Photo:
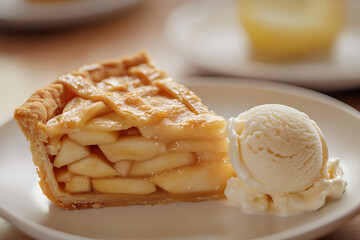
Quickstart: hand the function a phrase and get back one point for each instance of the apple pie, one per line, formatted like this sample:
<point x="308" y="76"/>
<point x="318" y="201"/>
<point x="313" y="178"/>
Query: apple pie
<point x="122" y="132"/>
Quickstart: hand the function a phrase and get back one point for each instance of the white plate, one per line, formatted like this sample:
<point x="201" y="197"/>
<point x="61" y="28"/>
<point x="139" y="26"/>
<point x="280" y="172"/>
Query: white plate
<point x="45" y="15"/>
<point x="23" y="204"/>
<point x="207" y="34"/>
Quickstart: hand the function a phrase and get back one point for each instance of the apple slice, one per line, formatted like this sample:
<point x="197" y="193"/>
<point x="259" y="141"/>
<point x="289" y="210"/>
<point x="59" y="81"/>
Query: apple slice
<point x="123" y="167"/>
<point x="132" y="148"/>
<point x="63" y="175"/>
<point x="161" y="163"/>
<point x="70" y="152"/>
<point x="85" y="137"/>
<point x="123" y="185"/>
<point x="93" y="166"/>
<point x="212" y="156"/>
<point x="211" y="176"/>
<point x="198" y="146"/>
<point x="78" y="184"/>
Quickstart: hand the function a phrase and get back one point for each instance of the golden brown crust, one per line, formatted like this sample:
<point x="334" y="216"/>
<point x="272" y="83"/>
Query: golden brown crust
<point x="40" y="107"/>
<point x="48" y="102"/>
<point x="156" y="198"/>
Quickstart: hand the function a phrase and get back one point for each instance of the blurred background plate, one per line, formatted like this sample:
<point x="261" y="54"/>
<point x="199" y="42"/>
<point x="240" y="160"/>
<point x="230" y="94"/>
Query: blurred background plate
<point x="207" y="34"/>
<point x="27" y="15"/>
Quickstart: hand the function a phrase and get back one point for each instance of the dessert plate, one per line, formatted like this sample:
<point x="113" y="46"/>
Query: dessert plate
<point x="23" y="204"/>
<point x="23" y="14"/>
<point x="214" y="40"/>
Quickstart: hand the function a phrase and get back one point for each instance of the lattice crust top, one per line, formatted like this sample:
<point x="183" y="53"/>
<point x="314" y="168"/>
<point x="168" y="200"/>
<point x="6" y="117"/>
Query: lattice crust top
<point x="140" y="94"/>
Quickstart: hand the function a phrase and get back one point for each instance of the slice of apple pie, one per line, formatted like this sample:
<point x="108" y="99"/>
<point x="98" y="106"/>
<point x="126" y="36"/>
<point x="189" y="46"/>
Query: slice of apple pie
<point x="121" y="132"/>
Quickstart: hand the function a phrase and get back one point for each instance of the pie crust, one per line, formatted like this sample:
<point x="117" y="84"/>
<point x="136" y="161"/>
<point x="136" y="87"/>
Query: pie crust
<point x="148" y="106"/>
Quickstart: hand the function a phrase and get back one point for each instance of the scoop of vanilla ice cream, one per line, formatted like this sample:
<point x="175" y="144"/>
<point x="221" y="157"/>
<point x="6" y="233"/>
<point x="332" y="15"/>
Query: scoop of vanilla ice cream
<point x="280" y="148"/>
<point x="279" y="155"/>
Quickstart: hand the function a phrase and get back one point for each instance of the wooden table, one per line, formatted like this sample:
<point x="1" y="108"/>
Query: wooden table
<point x="31" y="60"/>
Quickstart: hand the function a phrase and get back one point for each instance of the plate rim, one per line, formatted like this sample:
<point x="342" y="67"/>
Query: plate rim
<point x="23" y="224"/>
<point x="280" y="87"/>
<point x="294" y="233"/>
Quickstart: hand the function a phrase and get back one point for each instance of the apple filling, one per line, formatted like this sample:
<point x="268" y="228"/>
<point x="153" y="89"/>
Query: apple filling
<point x="122" y="162"/>
<point x="97" y="152"/>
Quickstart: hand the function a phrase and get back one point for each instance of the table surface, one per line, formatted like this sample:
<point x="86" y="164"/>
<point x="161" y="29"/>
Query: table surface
<point x="31" y="60"/>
